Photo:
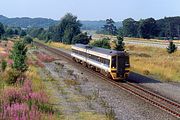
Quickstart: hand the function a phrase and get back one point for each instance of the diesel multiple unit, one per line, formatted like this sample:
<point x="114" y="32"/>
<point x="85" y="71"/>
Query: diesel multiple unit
<point x="111" y="63"/>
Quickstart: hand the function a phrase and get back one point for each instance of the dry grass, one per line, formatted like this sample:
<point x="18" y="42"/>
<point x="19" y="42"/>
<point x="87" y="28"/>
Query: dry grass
<point x="33" y="74"/>
<point x="155" y="62"/>
<point x="148" y="40"/>
<point x="59" y="45"/>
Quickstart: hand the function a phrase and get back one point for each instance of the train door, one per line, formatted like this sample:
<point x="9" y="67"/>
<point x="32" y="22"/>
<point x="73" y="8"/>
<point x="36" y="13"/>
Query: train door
<point x="113" y="63"/>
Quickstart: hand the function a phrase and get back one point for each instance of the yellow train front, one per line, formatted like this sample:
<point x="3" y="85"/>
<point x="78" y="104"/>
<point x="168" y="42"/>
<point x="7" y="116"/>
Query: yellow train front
<point x="111" y="63"/>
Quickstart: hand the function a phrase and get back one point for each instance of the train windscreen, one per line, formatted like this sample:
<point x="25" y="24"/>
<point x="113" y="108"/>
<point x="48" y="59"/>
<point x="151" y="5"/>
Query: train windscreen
<point x="121" y="65"/>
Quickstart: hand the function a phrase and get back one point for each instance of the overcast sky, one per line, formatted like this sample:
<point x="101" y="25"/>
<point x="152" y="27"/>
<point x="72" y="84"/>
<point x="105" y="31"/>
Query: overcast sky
<point x="91" y="9"/>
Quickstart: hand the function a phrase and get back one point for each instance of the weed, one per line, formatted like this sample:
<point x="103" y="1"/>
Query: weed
<point x="110" y="114"/>
<point x="71" y="82"/>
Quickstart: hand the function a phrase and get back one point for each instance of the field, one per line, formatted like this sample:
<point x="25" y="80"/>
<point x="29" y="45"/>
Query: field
<point x="152" y="61"/>
<point x="155" y="62"/>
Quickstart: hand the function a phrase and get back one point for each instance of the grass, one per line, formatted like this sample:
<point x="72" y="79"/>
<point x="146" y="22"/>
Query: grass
<point x="86" y="116"/>
<point x="59" y="45"/>
<point x="55" y="44"/>
<point x="148" y="40"/>
<point x="155" y="62"/>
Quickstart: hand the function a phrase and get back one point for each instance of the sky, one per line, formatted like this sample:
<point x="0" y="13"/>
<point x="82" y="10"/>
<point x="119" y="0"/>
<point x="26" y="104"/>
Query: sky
<point x="91" y="9"/>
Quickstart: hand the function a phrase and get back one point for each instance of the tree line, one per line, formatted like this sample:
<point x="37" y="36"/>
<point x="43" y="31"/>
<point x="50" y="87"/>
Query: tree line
<point x="166" y="28"/>
<point x="9" y="32"/>
<point x="68" y="31"/>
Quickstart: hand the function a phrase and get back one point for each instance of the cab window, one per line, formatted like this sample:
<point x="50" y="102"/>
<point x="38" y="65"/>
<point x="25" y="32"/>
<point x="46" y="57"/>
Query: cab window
<point x="113" y="65"/>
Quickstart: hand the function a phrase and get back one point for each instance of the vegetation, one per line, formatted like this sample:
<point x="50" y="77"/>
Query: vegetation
<point x="67" y="31"/>
<point x="26" y="22"/>
<point x="168" y="28"/>
<point x="154" y="62"/>
<point x="9" y="32"/>
<point x="2" y="31"/>
<point x="22" y="94"/>
<point x="104" y="43"/>
<point x="18" y="55"/>
<point x="27" y="40"/>
<point x="3" y="65"/>
<point x="109" y="28"/>
<point x="120" y="44"/>
<point x="81" y="38"/>
<point x="171" y="48"/>
<point x="96" y="25"/>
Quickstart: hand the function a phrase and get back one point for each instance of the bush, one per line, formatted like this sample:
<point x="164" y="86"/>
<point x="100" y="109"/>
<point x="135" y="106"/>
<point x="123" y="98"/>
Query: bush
<point x="18" y="55"/>
<point x="3" y="65"/>
<point x="171" y="48"/>
<point x="27" y="40"/>
<point x="11" y="76"/>
<point x="104" y="43"/>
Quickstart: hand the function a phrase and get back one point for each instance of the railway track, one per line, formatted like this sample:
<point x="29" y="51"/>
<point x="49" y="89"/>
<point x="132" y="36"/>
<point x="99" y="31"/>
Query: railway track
<point x="154" y="99"/>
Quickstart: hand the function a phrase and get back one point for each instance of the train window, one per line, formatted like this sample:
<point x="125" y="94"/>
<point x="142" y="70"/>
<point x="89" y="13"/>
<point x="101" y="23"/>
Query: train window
<point x="113" y="65"/>
<point x="106" y="61"/>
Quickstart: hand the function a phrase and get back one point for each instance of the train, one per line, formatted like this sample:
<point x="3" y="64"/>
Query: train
<point x="111" y="63"/>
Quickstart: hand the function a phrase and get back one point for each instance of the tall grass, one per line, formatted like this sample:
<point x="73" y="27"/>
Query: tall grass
<point x="155" y="62"/>
<point x="59" y="45"/>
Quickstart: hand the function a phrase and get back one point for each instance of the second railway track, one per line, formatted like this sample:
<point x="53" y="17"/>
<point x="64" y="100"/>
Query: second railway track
<point x="154" y="99"/>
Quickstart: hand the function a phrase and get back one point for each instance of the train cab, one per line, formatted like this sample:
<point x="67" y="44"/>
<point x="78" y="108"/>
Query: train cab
<point x="120" y="66"/>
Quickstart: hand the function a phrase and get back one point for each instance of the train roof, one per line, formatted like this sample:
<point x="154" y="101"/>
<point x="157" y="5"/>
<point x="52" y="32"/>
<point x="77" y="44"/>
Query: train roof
<point x="100" y="50"/>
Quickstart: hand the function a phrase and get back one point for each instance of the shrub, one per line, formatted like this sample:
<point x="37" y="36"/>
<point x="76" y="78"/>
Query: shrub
<point x="3" y="65"/>
<point x="11" y="76"/>
<point x="12" y="95"/>
<point x="28" y="40"/>
<point x="104" y="43"/>
<point x="171" y="48"/>
<point x="146" y="72"/>
<point x="18" y="55"/>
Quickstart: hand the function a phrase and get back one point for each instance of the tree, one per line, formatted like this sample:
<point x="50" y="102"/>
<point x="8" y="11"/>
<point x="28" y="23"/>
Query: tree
<point x="130" y="27"/>
<point x="171" y="48"/>
<point x="9" y="32"/>
<point x="66" y="30"/>
<point x="18" y="55"/>
<point x="23" y="33"/>
<point x="109" y="27"/>
<point x="27" y="40"/>
<point x="148" y="28"/>
<point x="81" y="38"/>
<point x="70" y="27"/>
<point x="2" y="31"/>
<point x="120" y="44"/>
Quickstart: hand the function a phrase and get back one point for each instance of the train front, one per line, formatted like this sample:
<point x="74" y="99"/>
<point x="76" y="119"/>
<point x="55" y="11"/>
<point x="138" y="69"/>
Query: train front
<point x="120" y="66"/>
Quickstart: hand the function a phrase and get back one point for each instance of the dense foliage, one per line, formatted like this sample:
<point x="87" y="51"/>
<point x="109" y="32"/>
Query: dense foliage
<point x="2" y="31"/>
<point x="120" y="44"/>
<point x="6" y="31"/>
<point x="3" y="65"/>
<point x="67" y="31"/>
<point x="109" y="28"/>
<point x="18" y="55"/>
<point x="27" y="40"/>
<point x="104" y="43"/>
<point x="169" y="27"/>
<point x="81" y="38"/>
